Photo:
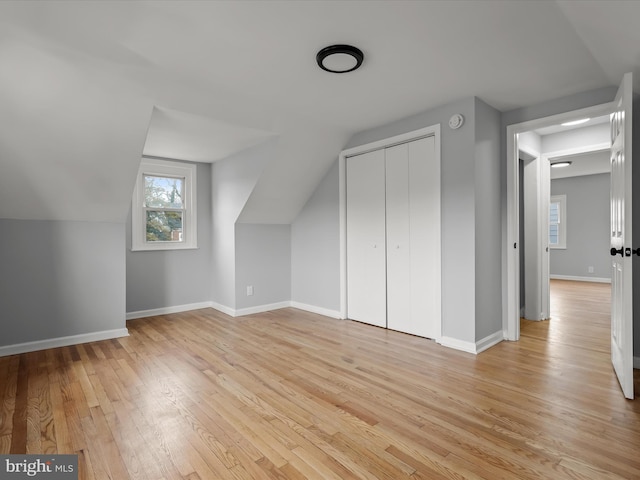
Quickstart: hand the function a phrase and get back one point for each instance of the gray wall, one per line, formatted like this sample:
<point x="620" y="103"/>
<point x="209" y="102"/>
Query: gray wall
<point x="60" y="278"/>
<point x="229" y="256"/>
<point x="168" y="278"/>
<point x="587" y="227"/>
<point x="488" y="248"/>
<point x="232" y="181"/>
<point x="263" y="260"/>
<point x="315" y="247"/>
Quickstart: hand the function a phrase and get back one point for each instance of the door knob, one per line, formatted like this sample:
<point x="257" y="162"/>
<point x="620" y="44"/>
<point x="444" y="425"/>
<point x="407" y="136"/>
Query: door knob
<point x="615" y="251"/>
<point x="636" y="251"/>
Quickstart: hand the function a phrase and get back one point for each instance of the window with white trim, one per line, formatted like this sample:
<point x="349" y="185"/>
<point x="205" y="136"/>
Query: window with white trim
<point x="558" y="221"/>
<point x="163" y="214"/>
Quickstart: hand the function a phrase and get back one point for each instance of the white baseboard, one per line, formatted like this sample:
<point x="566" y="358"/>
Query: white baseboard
<point x="580" y="279"/>
<point x="224" y="309"/>
<point x="319" y="310"/>
<point x="262" y="308"/>
<point x="636" y="363"/>
<point x="470" y="347"/>
<point x="275" y="306"/>
<point x="489" y="341"/>
<point x="456" y="344"/>
<point x="166" y="310"/>
<point x="62" y="341"/>
<point x="232" y="312"/>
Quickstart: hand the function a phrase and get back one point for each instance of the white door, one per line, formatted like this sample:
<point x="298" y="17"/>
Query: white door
<point x="621" y="260"/>
<point x="366" y="263"/>
<point x="399" y="249"/>
<point x="413" y="238"/>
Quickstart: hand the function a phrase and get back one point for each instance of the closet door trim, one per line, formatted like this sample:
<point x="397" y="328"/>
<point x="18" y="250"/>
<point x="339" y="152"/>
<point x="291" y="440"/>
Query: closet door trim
<point x="433" y="130"/>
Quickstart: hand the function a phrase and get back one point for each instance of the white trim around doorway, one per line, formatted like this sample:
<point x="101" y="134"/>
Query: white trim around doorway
<point x="511" y="247"/>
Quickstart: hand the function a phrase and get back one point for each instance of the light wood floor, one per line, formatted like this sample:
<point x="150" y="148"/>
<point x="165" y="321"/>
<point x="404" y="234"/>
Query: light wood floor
<point x="291" y="395"/>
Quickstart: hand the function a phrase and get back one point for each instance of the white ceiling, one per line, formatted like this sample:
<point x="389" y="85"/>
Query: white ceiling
<point x="82" y="82"/>
<point x="560" y="128"/>
<point x="582" y="164"/>
<point x="594" y="131"/>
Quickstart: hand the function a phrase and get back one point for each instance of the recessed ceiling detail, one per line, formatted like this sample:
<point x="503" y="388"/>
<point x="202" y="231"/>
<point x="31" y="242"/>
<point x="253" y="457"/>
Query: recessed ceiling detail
<point x="340" y="58"/>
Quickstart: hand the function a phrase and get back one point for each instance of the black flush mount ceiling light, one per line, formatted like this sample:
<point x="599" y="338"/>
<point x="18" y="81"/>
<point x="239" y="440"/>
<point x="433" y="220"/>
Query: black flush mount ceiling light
<point x="339" y="58"/>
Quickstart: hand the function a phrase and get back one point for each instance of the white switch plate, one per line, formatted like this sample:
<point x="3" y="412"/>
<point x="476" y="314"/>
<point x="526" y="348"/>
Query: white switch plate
<point x="590" y="269"/>
<point x="249" y="290"/>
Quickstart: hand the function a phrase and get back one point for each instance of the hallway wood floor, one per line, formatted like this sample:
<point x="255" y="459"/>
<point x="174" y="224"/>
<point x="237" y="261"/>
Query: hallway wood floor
<point x="293" y="395"/>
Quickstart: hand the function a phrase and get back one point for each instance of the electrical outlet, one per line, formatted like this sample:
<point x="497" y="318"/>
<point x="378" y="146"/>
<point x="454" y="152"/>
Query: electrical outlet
<point x="590" y="269"/>
<point x="249" y="290"/>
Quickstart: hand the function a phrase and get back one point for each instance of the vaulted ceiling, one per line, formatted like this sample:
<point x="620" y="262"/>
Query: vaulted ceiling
<point x="87" y="87"/>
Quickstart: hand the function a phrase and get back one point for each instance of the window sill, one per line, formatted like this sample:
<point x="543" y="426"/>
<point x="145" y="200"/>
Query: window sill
<point x="163" y="248"/>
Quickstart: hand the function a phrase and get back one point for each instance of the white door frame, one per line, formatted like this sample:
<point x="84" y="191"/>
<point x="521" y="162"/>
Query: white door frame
<point x="536" y="254"/>
<point x="433" y="130"/>
<point x="511" y="310"/>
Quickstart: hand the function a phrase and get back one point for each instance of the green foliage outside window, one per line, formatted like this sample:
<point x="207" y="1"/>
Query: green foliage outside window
<point x="164" y="226"/>
<point x="165" y="194"/>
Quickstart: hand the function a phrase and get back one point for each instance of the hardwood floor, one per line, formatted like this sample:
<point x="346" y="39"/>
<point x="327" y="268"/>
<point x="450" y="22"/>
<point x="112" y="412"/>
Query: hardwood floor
<point x="292" y="395"/>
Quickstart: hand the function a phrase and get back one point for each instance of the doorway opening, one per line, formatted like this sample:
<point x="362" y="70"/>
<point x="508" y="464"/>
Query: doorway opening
<point x="620" y="231"/>
<point x="520" y="140"/>
<point x="564" y="209"/>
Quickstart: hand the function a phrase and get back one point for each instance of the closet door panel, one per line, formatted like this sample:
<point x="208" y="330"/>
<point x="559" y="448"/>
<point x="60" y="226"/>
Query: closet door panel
<point x="424" y="213"/>
<point x="366" y="262"/>
<point x="398" y="238"/>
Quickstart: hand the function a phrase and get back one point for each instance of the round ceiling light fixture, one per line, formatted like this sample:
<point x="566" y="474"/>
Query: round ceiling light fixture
<point x="561" y="164"/>
<point x="339" y="58"/>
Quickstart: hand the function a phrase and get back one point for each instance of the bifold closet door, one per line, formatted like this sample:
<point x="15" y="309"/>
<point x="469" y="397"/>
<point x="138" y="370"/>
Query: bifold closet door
<point x="398" y="237"/>
<point x="413" y="238"/>
<point x="366" y="231"/>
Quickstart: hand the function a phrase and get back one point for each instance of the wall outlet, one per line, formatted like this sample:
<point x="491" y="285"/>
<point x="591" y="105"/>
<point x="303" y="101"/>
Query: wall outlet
<point x="249" y="290"/>
<point x="590" y="269"/>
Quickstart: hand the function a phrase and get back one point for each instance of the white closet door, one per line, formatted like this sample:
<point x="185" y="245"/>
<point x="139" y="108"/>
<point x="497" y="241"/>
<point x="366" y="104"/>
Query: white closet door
<point x="366" y="263"/>
<point x="398" y="238"/>
<point x="413" y="238"/>
<point x="424" y="217"/>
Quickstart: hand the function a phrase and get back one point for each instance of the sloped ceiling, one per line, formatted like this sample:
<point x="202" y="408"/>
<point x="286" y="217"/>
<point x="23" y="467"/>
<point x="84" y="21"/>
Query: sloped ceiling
<point x="81" y="84"/>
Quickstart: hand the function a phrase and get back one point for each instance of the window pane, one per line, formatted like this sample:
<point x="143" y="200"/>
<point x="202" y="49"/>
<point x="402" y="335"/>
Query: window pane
<point x="554" y="213"/>
<point x="553" y="234"/>
<point x="164" y="226"/>
<point x="163" y="192"/>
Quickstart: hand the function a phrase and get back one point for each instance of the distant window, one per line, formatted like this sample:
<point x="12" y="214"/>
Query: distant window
<point x="558" y="221"/>
<point x="164" y="206"/>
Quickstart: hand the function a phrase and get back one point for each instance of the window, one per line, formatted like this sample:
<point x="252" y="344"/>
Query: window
<point x="558" y="221"/>
<point x="163" y="215"/>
